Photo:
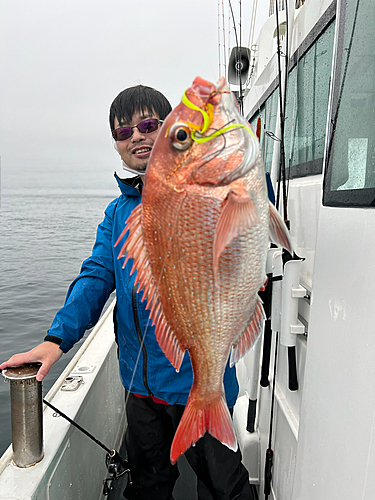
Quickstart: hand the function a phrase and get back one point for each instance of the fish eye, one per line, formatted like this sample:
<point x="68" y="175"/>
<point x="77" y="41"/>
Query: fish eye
<point x="180" y="137"/>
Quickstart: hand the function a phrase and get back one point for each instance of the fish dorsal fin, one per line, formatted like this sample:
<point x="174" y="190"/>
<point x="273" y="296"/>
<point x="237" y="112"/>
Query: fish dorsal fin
<point x="279" y="233"/>
<point x="250" y="336"/>
<point x="134" y="248"/>
<point x="237" y="216"/>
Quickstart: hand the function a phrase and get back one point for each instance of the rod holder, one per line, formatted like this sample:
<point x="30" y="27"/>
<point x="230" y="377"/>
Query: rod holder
<point x="275" y="266"/>
<point x="291" y="326"/>
<point x="292" y="291"/>
<point x="26" y="414"/>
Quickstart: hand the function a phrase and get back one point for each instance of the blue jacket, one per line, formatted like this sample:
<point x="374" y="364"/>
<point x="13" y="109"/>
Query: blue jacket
<point x="146" y="370"/>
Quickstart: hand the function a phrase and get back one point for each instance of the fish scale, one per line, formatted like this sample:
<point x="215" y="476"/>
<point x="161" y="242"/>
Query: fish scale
<point x="199" y="243"/>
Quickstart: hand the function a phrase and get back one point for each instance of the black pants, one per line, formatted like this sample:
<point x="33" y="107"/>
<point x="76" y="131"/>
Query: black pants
<point x="151" y="428"/>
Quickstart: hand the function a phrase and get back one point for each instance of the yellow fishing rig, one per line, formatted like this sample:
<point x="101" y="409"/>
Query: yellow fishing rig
<point x="207" y="120"/>
<point x="208" y="117"/>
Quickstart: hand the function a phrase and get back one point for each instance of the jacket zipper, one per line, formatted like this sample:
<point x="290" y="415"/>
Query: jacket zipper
<point x="140" y="337"/>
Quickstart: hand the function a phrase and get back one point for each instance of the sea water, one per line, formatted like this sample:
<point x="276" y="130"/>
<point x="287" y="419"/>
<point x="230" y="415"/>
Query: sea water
<point x="48" y="218"/>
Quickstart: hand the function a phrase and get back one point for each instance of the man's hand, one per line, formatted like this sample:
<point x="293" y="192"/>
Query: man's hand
<point x="46" y="353"/>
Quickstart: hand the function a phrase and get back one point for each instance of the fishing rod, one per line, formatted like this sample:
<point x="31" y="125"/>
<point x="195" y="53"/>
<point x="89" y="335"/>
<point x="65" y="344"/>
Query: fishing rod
<point x="282" y="101"/>
<point x="268" y="330"/>
<point x="266" y="297"/>
<point x="269" y="451"/>
<point x="116" y="465"/>
<point x="239" y="58"/>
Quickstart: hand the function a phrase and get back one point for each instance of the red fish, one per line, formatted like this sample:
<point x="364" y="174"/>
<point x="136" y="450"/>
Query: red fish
<point x="199" y="241"/>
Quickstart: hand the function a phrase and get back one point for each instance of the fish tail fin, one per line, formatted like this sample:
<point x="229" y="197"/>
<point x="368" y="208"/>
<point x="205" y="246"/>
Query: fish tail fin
<point x="196" y="420"/>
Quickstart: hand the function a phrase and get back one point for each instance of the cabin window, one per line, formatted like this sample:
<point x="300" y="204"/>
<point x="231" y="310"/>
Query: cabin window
<point x="306" y="110"/>
<point x="307" y="102"/>
<point x="350" y="159"/>
<point x="268" y="114"/>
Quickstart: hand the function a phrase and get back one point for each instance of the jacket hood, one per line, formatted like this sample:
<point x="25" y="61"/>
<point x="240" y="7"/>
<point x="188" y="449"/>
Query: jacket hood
<point x="130" y="186"/>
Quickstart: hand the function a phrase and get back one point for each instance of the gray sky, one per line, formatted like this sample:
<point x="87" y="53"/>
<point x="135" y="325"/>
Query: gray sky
<point x="62" y="62"/>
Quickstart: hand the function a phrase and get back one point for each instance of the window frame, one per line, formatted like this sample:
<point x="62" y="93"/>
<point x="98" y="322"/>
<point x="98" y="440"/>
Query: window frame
<point x="361" y="198"/>
<point x="312" y="167"/>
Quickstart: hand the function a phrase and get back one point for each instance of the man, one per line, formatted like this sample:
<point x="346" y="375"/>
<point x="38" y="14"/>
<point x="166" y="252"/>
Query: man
<point x="155" y="392"/>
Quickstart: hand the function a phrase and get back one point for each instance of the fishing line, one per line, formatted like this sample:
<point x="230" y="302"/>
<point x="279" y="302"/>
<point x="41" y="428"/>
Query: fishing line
<point x="280" y="103"/>
<point x="239" y="69"/>
<point x="222" y="131"/>
<point x="214" y="155"/>
<point x="218" y="34"/>
<point x="238" y="56"/>
<point x="158" y="281"/>
<point x="264" y="127"/>
<point x="224" y="46"/>
<point x="88" y="434"/>
<point x="206" y="122"/>
<point x="294" y="120"/>
<point x="251" y="40"/>
<point x="240" y="22"/>
<point x="252" y="23"/>
<point x="285" y="180"/>
<point x="292" y="141"/>
<point x="116" y="465"/>
<point x="142" y="343"/>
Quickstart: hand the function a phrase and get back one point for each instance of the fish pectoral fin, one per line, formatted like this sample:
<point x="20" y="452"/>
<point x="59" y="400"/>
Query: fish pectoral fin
<point x="238" y="215"/>
<point x="250" y="336"/>
<point x="279" y="233"/>
<point x="196" y="420"/>
<point x="134" y="248"/>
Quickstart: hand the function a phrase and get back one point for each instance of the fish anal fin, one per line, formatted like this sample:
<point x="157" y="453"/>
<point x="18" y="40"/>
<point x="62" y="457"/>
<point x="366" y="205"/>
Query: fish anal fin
<point x="196" y="421"/>
<point x="279" y="233"/>
<point x="237" y="216"/>
<point x="250" y="335"/>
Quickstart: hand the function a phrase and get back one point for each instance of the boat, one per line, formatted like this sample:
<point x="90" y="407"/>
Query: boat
<point x="305" y="415"/>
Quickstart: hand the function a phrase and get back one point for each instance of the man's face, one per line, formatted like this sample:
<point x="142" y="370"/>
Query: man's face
<point x="136" y="150"/>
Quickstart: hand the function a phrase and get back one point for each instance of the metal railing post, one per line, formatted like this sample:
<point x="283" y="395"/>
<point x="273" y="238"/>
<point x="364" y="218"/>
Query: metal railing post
<point x="26" y="414"/>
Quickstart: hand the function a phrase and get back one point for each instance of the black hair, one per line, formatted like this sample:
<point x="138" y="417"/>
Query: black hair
<point x="139" y="99"/>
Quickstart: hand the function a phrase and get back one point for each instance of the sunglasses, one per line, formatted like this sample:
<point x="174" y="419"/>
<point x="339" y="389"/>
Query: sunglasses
<point x="145" y="127"/>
